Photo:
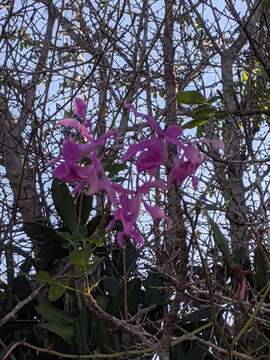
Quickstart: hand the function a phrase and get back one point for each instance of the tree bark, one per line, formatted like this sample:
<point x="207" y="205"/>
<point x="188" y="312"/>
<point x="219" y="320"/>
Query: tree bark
<point x="176" y="251"/>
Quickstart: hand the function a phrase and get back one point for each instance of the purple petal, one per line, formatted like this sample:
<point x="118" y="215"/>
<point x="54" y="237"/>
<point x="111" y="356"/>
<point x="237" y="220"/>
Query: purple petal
<point x="71" y="152"/>
<point x="134" y="234"/>
<point x="116" y="216"/>
<point x="130" y="209"/>
<point x="155" y="155"/>
<point x="148" y="161"/>
<point x="217" y="144"/>
<point x="85" y="150"/>
<point x="60" y="172"/>
<point x="69" y="123"/>
<point x="135" y="205"/>
<point x="119" y="188"/>
<point x="73" y="123"/>
<point x="84" y="132"/>
<point x="180" y="172"/>
<point x="155" y="211"/>
<point x="137" y="237"/>
<point x="79" y="107"/>
<point x="193" y="154"/>
<point x="149" y="119"/>
<point x="133" y="149"/>
<point x="66" y="172"/>
<point x="172" y="133"/>
<point x="153" y="124"/>
<point x="144" y="189"/>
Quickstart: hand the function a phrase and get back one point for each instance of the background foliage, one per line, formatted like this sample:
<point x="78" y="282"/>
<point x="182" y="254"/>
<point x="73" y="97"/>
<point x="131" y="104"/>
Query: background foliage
<point x="200" y="290"/>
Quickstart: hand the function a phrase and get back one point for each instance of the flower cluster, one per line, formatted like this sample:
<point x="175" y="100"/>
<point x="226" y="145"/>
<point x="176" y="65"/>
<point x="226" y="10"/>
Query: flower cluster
<point x="79" y="164"/>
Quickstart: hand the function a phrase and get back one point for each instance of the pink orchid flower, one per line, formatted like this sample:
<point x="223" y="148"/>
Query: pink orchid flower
<point x="79" y="106"/>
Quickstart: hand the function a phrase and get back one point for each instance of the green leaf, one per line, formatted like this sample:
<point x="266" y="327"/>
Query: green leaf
<point x="20" y="287"/>
<point x="44" y="276"/>
<point x="48" y="242"/>
<point x="266" y="3"/>
<point x="177" y="352"/>
<point x="194" y="123"/>
<point x="52" y="314"/>
<point x="112" y="285"/>
<point x="41" y="233"/>
<point x="80" y="259"/>
<point x="67" y="236"/>
<point x="79" y="233"/>
<point x="162" y="93"/>
<point x="93" y="224"/>
<point x="203" y="113"/>
<point x="97" y="242"/>
<point x="84" y="207"/>
<point x="213" y="99"/>
<point x="201" y="116"/>
<point x="221" y="114"/>
<point x="56" y="290"/>
<point x="48" y="253"/>
<point x="64" y="331"/>
<point x="260" y="268"/>
<point x="81" y="331"/>
<point x="190" y="98"/>
<point x="64" y="204"/>
<point x="134" y="294"/>
<point x="221" y="242"/>
<point x="153" y="295"/>
<point x="104" y="336"/>
<point x="103" y="301"/>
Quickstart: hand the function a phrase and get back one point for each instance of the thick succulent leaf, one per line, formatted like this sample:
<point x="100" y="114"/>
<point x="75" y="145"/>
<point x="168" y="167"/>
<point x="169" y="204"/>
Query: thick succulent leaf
<point x="64" y="331"/>
<point x="64" y="204"/>
<point x="80" y="258"/>
<point x="53" y="314"/>
<point x="93" y="224"/>
<point x="112" y="285"/>
<point x="260" y="268"/>
<point x="190" y="98"/>
<point x="84" y="207"/>
<point x="56" y="290"/>
<point x="134" y="295"/>
<point x="153" y="294"/>
<point x="81" y="331"/>
<point x="221" y="242"/>
<point x="41" y="233"/>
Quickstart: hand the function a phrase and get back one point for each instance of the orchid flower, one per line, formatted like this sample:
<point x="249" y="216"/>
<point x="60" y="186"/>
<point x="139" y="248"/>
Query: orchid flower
<point x="79" y="106"/>
<point x="80" y="165"/>
<point x="128" y="213"/>
<point x="129" y="208"/>
<point x="153" y="153"/>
